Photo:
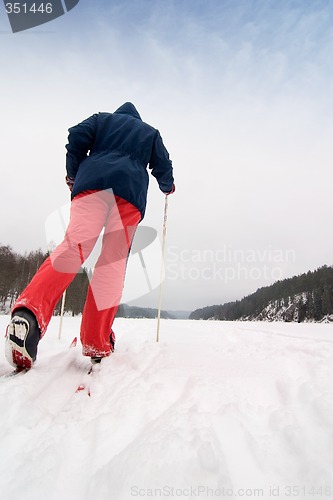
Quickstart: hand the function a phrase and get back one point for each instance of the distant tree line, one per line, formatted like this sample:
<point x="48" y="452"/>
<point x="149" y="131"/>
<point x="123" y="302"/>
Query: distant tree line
<point x="17" y="270"/>
<point x="311" y="293"/>
<point x="126" y="311"/>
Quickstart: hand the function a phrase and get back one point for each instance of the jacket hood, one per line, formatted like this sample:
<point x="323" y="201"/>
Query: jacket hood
<point x="128" y="109"/>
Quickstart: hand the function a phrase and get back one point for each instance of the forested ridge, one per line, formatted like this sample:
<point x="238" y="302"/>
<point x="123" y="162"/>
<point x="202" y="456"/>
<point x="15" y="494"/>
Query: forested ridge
<point x="308" y="296"/>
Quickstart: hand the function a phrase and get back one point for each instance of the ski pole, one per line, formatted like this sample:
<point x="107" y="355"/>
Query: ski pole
<point x="62" y="313"/>
<point x="162" y="266"/>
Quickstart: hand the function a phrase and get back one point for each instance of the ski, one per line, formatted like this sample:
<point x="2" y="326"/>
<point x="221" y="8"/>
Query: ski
<point x="73" y="343"/>
<point x="14" y="373"/>
<point x="84" y="386"/>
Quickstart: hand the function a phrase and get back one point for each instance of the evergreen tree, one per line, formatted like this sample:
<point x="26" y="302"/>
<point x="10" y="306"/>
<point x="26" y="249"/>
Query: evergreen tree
<point x="7" y="270"/>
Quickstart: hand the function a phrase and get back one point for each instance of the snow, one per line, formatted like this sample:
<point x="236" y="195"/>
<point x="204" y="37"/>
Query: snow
<point x="214" y="410"/>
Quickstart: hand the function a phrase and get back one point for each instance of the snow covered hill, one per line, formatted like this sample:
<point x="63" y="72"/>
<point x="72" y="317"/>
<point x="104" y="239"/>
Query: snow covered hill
<point x="215" y="409"/>
<point x="290" y="309"/>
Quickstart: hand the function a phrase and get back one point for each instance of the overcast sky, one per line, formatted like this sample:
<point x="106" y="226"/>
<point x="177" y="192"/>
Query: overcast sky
<point x="241" y="91"/>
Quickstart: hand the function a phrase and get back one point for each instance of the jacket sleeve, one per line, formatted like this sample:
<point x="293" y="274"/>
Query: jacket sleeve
<point x="80" y="141"/>
<point x="161" y="165"/>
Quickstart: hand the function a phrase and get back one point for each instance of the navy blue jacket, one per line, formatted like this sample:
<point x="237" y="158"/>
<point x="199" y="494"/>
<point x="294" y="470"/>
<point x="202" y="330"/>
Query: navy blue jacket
<point x="113" y="150"/>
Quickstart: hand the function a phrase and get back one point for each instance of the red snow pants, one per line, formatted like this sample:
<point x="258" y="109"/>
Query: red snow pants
<point x="91" y="211"/>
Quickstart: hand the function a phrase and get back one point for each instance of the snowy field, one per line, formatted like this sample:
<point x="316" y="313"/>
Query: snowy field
<point x="214" y="410"/>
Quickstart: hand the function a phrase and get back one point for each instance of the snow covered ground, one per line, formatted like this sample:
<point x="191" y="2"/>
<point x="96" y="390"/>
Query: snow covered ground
<point x="214" y="410"/>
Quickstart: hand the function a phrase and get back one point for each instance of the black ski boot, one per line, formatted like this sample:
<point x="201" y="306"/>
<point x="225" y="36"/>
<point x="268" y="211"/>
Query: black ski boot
<point x="97" y="359"/>
<point x="22" y="338"/>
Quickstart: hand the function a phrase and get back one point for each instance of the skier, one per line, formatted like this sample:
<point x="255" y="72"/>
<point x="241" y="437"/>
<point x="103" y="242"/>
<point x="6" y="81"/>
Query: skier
<point x="106" y="162"/>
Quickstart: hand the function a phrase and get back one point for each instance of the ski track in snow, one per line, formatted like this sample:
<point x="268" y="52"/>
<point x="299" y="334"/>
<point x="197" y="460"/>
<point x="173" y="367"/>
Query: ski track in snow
<point x="225" y="406"/>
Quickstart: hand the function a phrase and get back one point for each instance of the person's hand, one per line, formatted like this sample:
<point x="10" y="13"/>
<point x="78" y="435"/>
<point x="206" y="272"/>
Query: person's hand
<point x="69" y="182"/>
<point x="173" y="189"/>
